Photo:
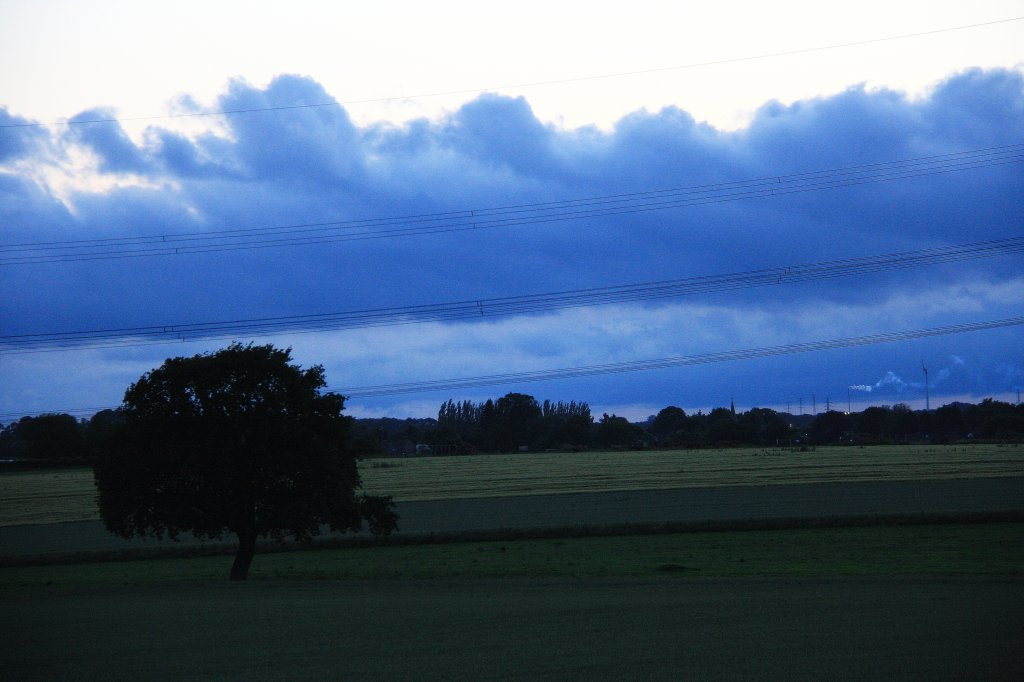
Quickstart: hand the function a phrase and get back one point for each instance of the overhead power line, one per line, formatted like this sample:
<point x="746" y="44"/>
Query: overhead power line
<point x="530" y="84"/>
<point x="75" y="411"/>
<point x="511" y="305"/>
<point x="664" y="363"/>
<point x="504" y="216"/>
<point x="624" y="367"/>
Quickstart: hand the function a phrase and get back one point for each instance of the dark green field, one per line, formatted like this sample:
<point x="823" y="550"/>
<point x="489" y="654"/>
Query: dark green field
<point x="592" y="629"/>
<point x="906" y="602"/>
<point x="912" y="550"/>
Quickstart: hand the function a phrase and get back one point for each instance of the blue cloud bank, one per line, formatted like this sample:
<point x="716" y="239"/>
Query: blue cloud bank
<point x="302" y="166"/>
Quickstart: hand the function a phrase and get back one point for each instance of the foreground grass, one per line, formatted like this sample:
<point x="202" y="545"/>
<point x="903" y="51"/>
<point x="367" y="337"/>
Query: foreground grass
<point x="963" y="628"/>
<point x="69" y="495"/>
<point x="920" y="550"/>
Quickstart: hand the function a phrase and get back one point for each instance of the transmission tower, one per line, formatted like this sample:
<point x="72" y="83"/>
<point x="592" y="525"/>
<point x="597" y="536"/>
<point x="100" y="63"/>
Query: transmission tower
<point x="927" y="398"/>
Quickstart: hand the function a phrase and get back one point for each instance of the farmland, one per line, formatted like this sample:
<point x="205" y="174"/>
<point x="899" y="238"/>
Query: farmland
<point x="930" y="602"/>
<point x="544" y="474"/>
<point x="994" y="549"/>
<point x="68" y="495"/>
<point x="926" y="601"/>
<point x="597" y="629"/>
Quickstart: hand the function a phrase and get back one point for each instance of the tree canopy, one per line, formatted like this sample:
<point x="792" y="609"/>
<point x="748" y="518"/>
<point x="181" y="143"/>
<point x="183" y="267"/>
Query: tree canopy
<point x="240" y="442"/>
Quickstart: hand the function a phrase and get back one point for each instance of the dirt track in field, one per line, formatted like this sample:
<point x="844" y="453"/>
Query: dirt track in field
<point x="718" y="505"/>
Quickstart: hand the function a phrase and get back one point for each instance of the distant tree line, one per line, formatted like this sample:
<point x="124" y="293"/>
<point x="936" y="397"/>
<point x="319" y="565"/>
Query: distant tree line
<point x="517" y="422"/>
<point x="989" y="420"/>
<point x="511" y="423"/>
<point x="58" y="438"/>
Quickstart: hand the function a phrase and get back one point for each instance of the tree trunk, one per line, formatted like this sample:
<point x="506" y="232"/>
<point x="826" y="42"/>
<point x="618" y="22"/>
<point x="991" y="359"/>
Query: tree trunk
<point x="243" y="557"/>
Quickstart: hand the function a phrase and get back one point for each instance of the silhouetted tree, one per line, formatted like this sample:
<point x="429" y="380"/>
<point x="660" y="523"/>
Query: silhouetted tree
<point x="240" y="441"/>
<point x="517" y="421"/>
<point x="872" y="423"/>
<point x="669" y="426"/>
<point x="46" y="437"/>
<point x="567" y="423"/>
<point x="618" y="432"/>
<point x="762" y="426"/>
<point x="947" y="422"/>
<point x="903" y="422"/>
<point x="488" y="426"/>
<point x="103" y="428"/>
<point x="458" y="423"/>
<point x="829" y="427"/>
<point x="722" y="427"/>
<point x="995" y="419"/>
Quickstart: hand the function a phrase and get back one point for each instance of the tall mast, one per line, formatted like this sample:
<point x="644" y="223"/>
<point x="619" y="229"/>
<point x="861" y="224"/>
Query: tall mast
<point x="927" y="400"/>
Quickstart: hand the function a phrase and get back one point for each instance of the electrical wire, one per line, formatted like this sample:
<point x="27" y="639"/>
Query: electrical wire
<point x="532" y="84"/>
<point x="78" y="411"/>
<point x="664" y="363"/>
<point x="507" y="306"/>
<point x="504" y="216"/>
<point x="429" y="386"/>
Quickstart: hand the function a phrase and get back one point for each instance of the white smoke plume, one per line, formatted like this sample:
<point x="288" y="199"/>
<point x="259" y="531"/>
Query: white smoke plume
<point x="890" y="380"/>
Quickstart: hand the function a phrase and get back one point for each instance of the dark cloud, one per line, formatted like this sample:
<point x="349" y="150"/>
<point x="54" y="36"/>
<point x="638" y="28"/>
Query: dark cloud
<point x="115" y="150"/>
<point x="30" y="214"/>
<point x="315" y="147"/>
<point x="181" y="157"/>
<point x="314" y="165"/>
<point x="17" y="136"/>
<point x="977" y="108"/>
<point x="499" y="132"/>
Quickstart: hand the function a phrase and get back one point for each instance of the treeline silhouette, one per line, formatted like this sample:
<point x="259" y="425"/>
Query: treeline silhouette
<point x="58" y="438"/>
<point x="518" y="422"/>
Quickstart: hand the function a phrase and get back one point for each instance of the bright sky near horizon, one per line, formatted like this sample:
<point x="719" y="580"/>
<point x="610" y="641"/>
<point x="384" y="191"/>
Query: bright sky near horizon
<point x="138" y="58"/>
<point x="451" y="106"/>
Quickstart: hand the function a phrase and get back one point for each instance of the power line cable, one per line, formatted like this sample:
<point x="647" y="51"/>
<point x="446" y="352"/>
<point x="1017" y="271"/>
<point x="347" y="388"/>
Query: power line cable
<point x="505" y="216"/>
<point x="506" y="306"/>
<point x="75" y="411"/>
<point x="634" y="366"/>
<point x="664" y="363"/>
<point x="531" y="84"/>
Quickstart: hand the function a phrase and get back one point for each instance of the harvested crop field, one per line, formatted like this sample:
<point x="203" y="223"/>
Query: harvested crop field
<point x="726" y="506"/>
<point x="431" y="478"/>
<point x="69" y="495"/>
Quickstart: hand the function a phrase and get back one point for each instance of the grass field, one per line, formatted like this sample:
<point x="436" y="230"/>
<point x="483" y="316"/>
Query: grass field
<point x="69" y="495"/>
<point x="924" y="602"/>
<point x="570" y="629"/>
<point x="920" y="550"/>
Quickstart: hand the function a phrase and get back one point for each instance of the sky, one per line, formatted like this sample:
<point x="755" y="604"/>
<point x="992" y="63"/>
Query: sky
<point x="401" y="155"/>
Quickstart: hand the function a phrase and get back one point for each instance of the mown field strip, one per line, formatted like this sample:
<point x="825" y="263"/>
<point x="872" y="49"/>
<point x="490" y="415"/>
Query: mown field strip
<point x="502" y="475"/>
<point x="69" y="495"/>
<point x="49" y="496"/>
